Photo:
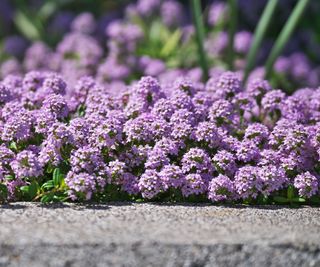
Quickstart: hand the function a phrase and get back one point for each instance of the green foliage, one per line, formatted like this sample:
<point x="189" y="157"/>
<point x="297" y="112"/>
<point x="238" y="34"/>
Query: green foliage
<point x="26" y="26"/>
<point x="285" y="35"/>
<point x="259" y="34"/>
<point x="291" y="197"/>
<point x="30" y="191"/>
<point x="3" y="193"/>
<point x="200" y="35"/>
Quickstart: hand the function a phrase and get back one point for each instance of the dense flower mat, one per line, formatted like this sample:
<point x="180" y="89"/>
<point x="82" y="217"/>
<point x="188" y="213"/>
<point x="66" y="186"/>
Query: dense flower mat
<point x="177" y="141"/>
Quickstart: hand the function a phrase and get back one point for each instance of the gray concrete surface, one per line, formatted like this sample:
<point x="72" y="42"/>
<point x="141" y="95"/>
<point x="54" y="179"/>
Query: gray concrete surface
<point x="126" y="234"/>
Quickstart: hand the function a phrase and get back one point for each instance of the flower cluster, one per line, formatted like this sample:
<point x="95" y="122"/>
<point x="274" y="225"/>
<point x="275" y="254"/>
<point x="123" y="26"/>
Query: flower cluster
<point x="154" y="139"/>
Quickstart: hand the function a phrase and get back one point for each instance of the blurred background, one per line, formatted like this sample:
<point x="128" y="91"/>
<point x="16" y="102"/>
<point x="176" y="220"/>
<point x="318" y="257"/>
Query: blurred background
<point x="119" y="41"/>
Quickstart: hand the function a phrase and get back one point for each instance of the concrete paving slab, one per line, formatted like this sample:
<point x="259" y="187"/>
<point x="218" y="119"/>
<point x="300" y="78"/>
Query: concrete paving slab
<point x="131" y="234"/>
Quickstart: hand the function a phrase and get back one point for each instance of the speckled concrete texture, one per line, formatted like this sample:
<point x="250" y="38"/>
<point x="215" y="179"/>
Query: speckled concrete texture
<point x="128" y="234"/>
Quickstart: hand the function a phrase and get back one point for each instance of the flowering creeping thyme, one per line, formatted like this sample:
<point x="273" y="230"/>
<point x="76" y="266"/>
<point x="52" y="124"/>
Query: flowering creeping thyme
<point x="162" y="147"/>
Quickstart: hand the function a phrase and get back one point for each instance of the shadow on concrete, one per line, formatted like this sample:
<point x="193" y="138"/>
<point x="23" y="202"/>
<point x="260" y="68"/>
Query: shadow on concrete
<point x="13" y="206"/>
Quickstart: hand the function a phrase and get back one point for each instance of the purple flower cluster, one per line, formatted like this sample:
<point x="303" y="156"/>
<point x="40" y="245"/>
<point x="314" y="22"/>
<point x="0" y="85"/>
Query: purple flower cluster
<point x="152" y="139"/>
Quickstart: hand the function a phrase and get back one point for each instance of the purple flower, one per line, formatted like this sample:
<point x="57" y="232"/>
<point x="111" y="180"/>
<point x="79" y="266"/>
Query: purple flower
<point x="146" y="8"/>
<point x="18" y="127"/>
<point x="44" y="121"/>
<point x="218" y="13"/>
<point x="257" y="133"/>
<point x="172" y="176"/>
<point x="57" y="105"/>
<point x="130" y="183"/>
<point x="247" y="182"/>
<point x="185" y="85"/>
<point x="26" y="164"/>
<point x="294" y="109"/>
<point x="194" y="184"/>
<point x="15" y="45"/>
<point x="273" y="178"/>
<point x="225" y="162"/>
<point x="248" y="151"/>
<point x="54" y="84"/>
<point x="224" y="86"/>
<point x="307" y="184"/>
<point x="163" y="108"/>
<point x="221" y="188"/>
<point x="156" y="159"/>
<point x="272" y="100"/>
<point x="83" y="185"/>
<point x="221" y="112"/>
<point x="5" y="94"/>
<point x="84" y="23"/>
<point x="116" y="170"/>
<point x="167" y="145"/>
<point x="151" y="66"/>
<point x="196" y="160"/>
<point x="50" y="153"/>
<point x="257" y="88"/>
<point x="6" y="155"/>
<point x="150" y="184"/>
<point x="86" y="159"/>
<point x="181" y="131"/>
<point x="79" y="129"/>
<point x="242" y="42"/>
<point x="181" y="100"/>
<point x="207" y="133"/>
<point x="171" y="13"/>
<point x="182" y="116"/>
<point x="109" y="131"/>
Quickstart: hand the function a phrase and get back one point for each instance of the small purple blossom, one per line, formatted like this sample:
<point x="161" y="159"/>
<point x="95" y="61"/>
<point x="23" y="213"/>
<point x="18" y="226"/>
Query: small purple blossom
<point x="248" y="183"/>
<point x="307" y="184"/>
<point x="194" y="184"/>
<point x="26" y="164"/>
<point x="150" y="184"/>
<point x="221" y="188"/>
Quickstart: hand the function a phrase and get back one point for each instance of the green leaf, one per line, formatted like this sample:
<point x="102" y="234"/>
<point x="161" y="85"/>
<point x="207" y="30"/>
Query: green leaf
<point x="13" y="145"/>
<point x="26" y="26"/>
<point x="25" y="189"/>
<point x="200" y="35"/>
<point x="57" y="177"/>
<point x="155" y="32"/>
<point x="48" y="185"/>
<point x="315" y="199"/>
<point x="49" y="169"/>
<point x="33" y="189"/>
<point x="281" y="199"/>
<point x="290" y="192"/>
<point x="298" y="199"/>
<point x="259" y="34"/>
<point x="9" y="177"/>
<point x="47" y="10"/>
<point x="285" y="35"/>
<point x="171" y="44"/>
<point x="47" y="198"/>
<point x="3" y="192"/>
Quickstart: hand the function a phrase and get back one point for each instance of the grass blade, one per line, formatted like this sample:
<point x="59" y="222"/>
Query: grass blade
<point x="259" y="34"/>
<point x="285" y="34"/>
<point x="199" y="27"/>
<point x="26" y="26"/>
<point x="232" y="29"/>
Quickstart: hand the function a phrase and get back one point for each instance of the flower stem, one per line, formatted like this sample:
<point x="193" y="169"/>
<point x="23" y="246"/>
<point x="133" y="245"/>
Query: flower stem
<point x="199" y="27"/>
<point x="259" y="34"/>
